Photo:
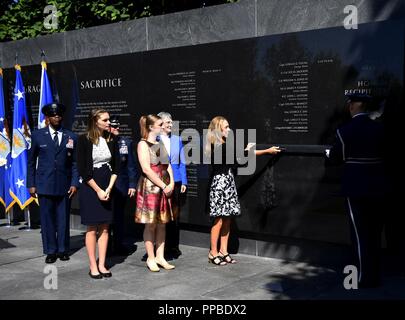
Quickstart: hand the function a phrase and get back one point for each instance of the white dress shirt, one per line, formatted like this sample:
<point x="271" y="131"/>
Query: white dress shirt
<point x="166" y="142"/>
<point x="52" y="131"/>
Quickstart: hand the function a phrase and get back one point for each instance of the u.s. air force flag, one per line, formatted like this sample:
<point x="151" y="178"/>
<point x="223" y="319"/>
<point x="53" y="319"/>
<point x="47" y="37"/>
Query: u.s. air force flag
<point x="5" y="158"/>
<point x="45" y="97"/>
<point x="21" y="140"/>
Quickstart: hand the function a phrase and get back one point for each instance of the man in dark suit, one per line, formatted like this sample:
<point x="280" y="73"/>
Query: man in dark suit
<point x="52" y="177"/>
<point x="124" y="186"/>
<point x="359" y="145"/>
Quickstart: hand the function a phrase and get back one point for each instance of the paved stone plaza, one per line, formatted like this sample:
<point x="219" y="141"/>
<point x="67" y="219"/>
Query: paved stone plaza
<point x="22" y="276"/>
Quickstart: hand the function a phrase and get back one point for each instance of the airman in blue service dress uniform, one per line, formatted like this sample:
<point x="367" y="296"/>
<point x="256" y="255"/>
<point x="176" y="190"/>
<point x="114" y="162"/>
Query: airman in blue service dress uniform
<point x="53" y="178"/>
<point x="359" y="145"/>
<point x="124" y="186"/>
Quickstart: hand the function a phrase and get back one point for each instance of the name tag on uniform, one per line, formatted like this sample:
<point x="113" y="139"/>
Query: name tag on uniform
<point x="123" y="149"/>
<point x="70" y="143"/>
<point x="42" y="145"/>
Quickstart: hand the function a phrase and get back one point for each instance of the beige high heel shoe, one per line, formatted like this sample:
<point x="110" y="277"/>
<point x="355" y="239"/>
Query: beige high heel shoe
<point x="164" y="264"/>
<point x="152" y="266"/>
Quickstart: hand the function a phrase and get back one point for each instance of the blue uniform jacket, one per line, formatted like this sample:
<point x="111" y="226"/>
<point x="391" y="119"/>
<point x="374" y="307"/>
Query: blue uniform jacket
<point x="359" y="145"/>
<point x="56" y="171"/>
<point x="177" y="159"/>
<point x="127" y="174"/>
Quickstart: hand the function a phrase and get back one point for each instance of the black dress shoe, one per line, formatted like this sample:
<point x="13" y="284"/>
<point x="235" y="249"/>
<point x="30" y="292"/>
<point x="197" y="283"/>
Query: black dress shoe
<point x="173" y="253"/>
<point x="95" y="276"/>
<point x="63" y="256"/>
<point x="176" y="252"/>
<point x="51" y="258"/>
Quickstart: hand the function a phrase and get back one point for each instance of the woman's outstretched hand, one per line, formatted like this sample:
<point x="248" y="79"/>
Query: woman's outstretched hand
<point x="273" y="150"/>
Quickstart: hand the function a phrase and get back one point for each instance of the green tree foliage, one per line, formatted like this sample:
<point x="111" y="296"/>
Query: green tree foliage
<point x="20" y="19"/>
<point x="5" y="5"/>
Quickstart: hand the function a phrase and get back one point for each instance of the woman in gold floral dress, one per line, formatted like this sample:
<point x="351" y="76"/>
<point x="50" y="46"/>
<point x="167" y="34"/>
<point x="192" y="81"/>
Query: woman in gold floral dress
<point x="153" y="204"/>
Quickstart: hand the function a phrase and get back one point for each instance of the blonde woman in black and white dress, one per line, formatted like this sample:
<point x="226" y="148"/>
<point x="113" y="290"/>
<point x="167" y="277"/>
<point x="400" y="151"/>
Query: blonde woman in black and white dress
<point x="223" y="196"/>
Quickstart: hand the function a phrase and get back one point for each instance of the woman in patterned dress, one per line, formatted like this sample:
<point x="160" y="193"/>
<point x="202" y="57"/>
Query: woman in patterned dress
<point x="154" y="207"/>
<point x="223" y="197"/>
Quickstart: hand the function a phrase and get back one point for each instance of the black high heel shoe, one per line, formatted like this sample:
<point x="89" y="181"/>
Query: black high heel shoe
<point x="227" y="258"/>
<point x="217" y="260"/>
<point x="95" y="276"/>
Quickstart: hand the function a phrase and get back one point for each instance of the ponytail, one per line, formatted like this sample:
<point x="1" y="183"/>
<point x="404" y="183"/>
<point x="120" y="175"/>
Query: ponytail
<point x="145" y="122"/>
<point x="142" y="126"/>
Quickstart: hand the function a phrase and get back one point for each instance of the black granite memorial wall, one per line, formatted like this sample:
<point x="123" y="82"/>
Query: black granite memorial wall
<point x="289" y="88"/>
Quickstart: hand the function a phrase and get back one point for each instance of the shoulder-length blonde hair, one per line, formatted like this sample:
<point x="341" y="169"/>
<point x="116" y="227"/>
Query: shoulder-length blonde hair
<point x="93" y="134"/>
<point x="214" y="134"/>
<point x="145" y="122"/>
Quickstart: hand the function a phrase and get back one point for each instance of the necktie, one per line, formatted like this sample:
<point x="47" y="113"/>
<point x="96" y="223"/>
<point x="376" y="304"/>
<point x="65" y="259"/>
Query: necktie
<point x="55" y="139"/>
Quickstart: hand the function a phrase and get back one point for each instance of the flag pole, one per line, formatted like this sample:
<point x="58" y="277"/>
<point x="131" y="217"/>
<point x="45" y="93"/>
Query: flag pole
<point x="28" y="219"/>
<point x="9" y="217"/>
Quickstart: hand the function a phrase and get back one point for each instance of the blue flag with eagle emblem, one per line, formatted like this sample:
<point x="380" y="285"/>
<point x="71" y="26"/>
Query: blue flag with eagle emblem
<point x="21" y="140"/>
<point x="5" y="156"/>
<point x="45" y="95"/>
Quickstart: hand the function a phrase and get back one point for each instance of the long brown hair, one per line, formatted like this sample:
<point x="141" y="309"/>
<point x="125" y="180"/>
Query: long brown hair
<point x="214" y="134"/>
<point x="145" y="122"/>
<point x="93" y="134"/>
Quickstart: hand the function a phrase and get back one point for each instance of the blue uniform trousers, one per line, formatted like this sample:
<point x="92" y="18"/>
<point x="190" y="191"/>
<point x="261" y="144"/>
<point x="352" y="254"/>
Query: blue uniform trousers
<point x="55" y="231"/>
<point x="365" y="215"/>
